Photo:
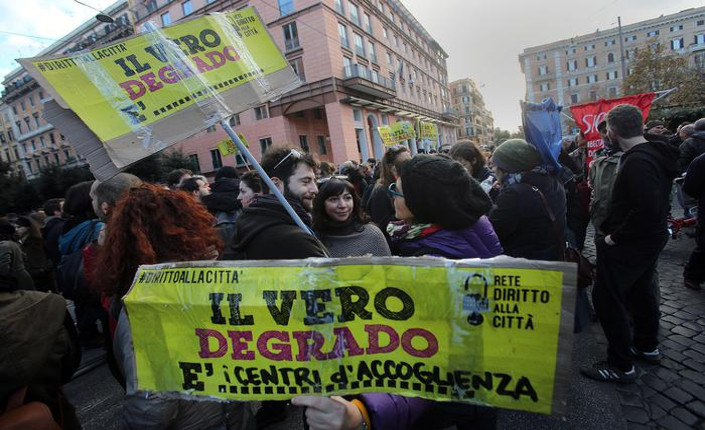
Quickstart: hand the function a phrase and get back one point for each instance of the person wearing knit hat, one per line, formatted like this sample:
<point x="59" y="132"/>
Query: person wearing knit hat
<point x="442" y="208"/>
<point x="515" y="155"/>
<point x="520" y="217"/>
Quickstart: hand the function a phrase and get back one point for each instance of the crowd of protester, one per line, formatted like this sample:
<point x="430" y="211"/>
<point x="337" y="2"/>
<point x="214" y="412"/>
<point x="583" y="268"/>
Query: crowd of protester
<point x="458" y="203"/>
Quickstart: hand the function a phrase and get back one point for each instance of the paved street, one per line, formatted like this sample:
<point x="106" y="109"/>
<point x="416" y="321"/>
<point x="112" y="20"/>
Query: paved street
<point x="670" y="395"/>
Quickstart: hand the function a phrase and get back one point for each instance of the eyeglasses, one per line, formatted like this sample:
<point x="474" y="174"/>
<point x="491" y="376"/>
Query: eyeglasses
<point x="296" y="154"/>
<point x="392" y="190"/>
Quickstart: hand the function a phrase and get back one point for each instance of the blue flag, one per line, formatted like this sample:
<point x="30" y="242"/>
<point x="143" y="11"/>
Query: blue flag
<point x="542" y="128"/>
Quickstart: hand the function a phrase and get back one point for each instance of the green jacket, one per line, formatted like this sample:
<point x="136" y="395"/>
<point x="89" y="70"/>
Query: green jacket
<point x="603" y="172"/>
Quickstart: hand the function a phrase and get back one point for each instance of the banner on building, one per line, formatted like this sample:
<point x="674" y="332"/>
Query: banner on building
<point x="396" y="132"/>
<point x="142" y="94"/>
<point x="587" y="116"/>
<point x="427" y="130"/>
<point x="228" y="147"/>
<point x="495" y="332"/>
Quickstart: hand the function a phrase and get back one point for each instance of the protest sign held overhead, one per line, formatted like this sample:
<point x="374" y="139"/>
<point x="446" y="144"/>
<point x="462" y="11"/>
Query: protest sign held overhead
<point x="228" y="147"/>
<point x="494" y="332"/>
<point x="396" y="132"/>
<point x="427" y="130"/>
<point x="145" y="93"/>
<point x="589" y="115"/>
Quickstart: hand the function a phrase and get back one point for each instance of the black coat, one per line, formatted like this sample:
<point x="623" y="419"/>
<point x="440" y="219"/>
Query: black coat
<point x="694" y="184"/>
<point x="690" y="149"/>
<point x="522" y="222"/>
<point x="380" y="208"/>
<point x="641" y="194"/>
<point x="265" y="231"/>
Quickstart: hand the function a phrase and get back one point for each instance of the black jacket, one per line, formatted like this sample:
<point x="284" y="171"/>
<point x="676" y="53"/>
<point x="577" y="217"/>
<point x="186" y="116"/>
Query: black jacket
<point x="265" y="231"/>
<point x="641" y="194"/>
<point x="691" y="149"/>
<point x="380" y="208"/>
<point x="223" y="197"/>
<point x="694" y="184"/>
<point x="522" y="222"/>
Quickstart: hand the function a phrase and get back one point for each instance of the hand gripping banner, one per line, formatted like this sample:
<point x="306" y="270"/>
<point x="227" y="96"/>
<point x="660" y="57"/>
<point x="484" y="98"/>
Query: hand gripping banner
<point x="495" y="332"/>
<point x="142" y="94"/>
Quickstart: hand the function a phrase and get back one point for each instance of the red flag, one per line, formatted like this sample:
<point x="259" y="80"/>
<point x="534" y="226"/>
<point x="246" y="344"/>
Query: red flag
<point x="589" y="115"/>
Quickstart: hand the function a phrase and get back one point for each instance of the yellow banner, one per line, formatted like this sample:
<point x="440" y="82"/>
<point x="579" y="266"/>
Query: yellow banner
<point x="183" y="77"/>
<point x="427" y="130"/>
<point x="396" y="132"/>
<point x="494" y="332"/>
<point x="228" y="147"/>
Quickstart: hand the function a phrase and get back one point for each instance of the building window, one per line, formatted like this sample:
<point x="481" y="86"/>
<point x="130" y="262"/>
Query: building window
<point x="367" y="23"/>
<point x="166" y="20"/>
<point x="592" y="79"/>
<point x="347" y="67"/>
<point x="193" y="158"/>
<point x="574" y="99"/>
<point x="31" y="101"/>
<point x="261" y="112"/>
<point x="56" y="158"/>
<point x="699" y="39"/>
<point x="291" y="36"/>
<point x="354" y="13"/>
<point x="384" y="33"/>
<point x="612" y="91"/>
<point x="318" y="113"/>
<point x="676" y="28"/>
<point x="572" y="65"/>
<point x="52" y="139"/>
<point x="298" y="65"/>
<point x="573" y="82"/>
<point x="677" y="44"/>
<point x="42" y="142"/>
<point x="610" y="58"/>
<point x="590" y="47"/>
<point x="303" y="142"/>
<point x="357" y="115"/>
<point x="187" y="7"/>
<point x="216" y="159"/>
<point x="612" y="75"/>
<point x="343" y="33"/>
<point x="265" y="143"/>
<point x="322" y="149"/>
<point x="24" y="106"/>
<point x="631" y="38"/>
<point x="373" y="53"/>
<point x="591" y="61"/>
<point x="543" y="70"/>
<point x="609" y="42"/>
<point x="652" y="33"/>
<point x="545" y="87"/>
<point x="14" y="109"/>
<point x="396" y="41"/>
<point x="35" y="115"/>
<point x="286" y="7"/>
<point x="701" y="22"/>
<point x="359" y="45"/>
<point x="234" y="120"/>
<point x="390" y="60"/>
<point x="339" y="7"/>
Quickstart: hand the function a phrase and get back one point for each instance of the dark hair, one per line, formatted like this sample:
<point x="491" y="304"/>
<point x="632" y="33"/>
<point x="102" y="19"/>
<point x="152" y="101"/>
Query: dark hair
<point x="227" y="172"/>
<point x="440" y="191"/>
<point x="111" y="190"/>
<point x="174" y="177"/>
<point x="335" y="187"/>
<point x="386" y="176"/>
<point x="699" y="124"/>
<point x="51" y="206"/>
<point x="152" y="225"/>
<point x="190" y="185"/>
<point x="254" y="182"/>
<point x="7" y="230"/>
<point x="468" y="151"/>
<point x="327" y="169"/>
<point x="78" y="203"/>
<point x="626" y="121"/>
<point x="275" y="168"/>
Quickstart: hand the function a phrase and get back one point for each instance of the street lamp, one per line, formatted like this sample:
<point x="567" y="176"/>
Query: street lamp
<point x="102" y="17"/>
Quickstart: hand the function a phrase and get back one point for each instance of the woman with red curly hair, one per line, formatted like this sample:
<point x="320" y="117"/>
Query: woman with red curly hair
<point x="153" y="225"/>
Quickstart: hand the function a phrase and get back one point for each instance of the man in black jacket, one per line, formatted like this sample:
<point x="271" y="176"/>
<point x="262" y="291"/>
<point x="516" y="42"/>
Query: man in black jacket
<point x="635" y="233"/>
<point x="694" y="185"/>
<point x="693" y="146"/>
<point x="265" y="231"/>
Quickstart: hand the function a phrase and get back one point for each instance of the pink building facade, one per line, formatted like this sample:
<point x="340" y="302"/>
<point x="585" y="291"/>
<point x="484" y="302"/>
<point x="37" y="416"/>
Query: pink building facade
<point x="363" y="63"/>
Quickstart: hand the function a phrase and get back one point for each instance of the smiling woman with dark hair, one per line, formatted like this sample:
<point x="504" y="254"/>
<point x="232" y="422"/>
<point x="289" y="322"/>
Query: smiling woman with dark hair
<point x="342" y="226"/>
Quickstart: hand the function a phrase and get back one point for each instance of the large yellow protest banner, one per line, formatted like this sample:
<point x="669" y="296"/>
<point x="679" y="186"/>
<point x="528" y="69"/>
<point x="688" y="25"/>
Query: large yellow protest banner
<point x="146" y="92"/>
<point x="396" y="132"/>
<point x="495" y="332"/>
<point x="427" y="130"/>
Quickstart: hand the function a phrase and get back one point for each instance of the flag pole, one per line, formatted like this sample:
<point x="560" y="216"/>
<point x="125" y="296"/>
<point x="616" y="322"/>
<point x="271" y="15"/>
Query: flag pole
<point x="267" y="180"/>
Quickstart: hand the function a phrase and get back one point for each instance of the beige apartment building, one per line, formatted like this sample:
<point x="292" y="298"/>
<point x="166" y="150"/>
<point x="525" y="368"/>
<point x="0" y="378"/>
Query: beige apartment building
<point x="27" y="141"/>
<point x="592" y="66"/>
<point x="475" y="120"/>
<point x="362" y="63"/>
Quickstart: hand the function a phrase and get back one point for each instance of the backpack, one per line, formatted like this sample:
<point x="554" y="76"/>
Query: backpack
<point x="70" y="276"/>
<point x="225" y="224"/>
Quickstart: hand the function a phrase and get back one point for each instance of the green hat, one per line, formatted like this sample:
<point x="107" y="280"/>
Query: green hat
<point x="515" y="155"/>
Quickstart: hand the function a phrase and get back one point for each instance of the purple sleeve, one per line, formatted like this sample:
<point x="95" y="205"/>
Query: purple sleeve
<point x="392" y="412"/>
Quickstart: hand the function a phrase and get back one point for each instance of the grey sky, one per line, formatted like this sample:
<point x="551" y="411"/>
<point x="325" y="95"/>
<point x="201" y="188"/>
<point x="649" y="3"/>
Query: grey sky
<point x="484" y="38"/>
